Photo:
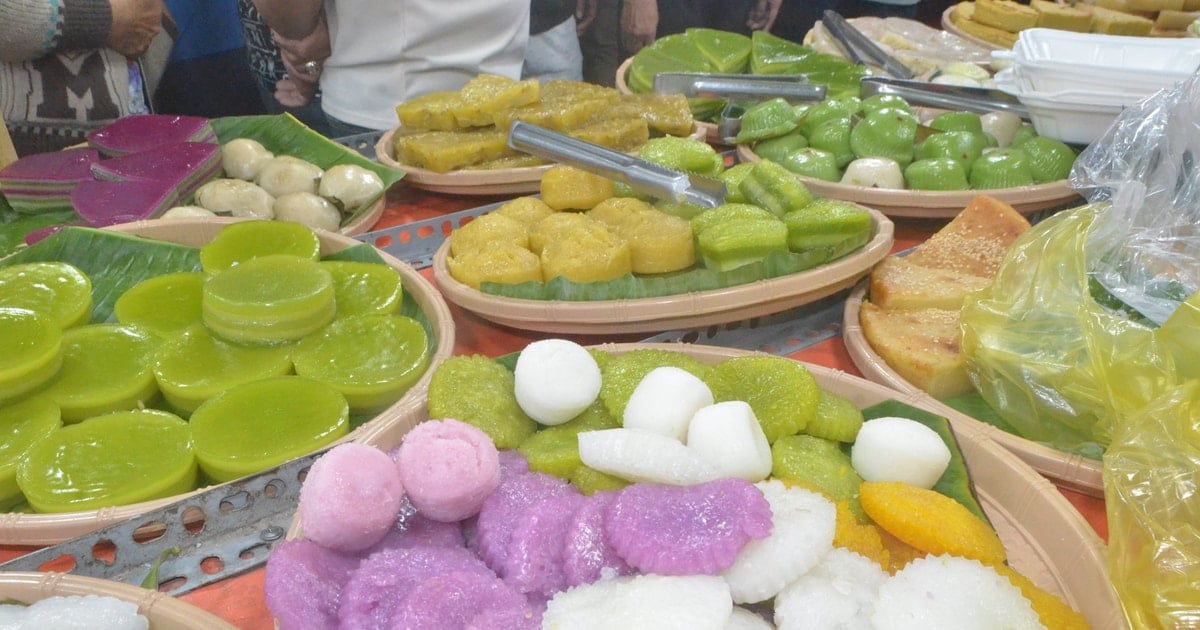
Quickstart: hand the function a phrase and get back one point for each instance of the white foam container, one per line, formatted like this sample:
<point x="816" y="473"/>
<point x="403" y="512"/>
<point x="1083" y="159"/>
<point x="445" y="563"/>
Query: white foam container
<point x="1072" y="116"/>
<point x="1048" y="60"/>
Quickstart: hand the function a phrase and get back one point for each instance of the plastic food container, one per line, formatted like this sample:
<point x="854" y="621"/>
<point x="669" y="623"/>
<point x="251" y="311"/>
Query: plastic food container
<point x="1074" y="116"/>
<point x="1047" y="60"/>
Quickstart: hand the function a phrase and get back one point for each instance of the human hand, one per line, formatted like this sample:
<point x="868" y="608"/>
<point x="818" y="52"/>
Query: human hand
<point x="134" y="25"/>
<point x="585" y="14"/>
<point x="639" y="23"/>
<point x="762" y="15"/>
<point x="303" y="59"/>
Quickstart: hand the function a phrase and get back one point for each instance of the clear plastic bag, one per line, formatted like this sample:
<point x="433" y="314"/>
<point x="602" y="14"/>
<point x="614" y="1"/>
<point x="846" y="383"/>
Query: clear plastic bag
<point x="1089" y="340"/>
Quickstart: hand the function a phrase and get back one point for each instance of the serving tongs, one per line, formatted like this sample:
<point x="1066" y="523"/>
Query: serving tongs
<point x="643" y="176"/>
<point x="952" y="97"/>
<point x="793" y="87"/>
<point x="860" y="49"/>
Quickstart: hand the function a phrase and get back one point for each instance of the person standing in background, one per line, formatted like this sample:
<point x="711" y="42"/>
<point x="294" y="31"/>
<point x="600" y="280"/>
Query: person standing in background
<point x="266" y="63"/>
<point x="208" y="74"/>
<point x="69" y="67"/>
<point x="384" y="53"/>
<point x="737" y="16"/>
<point x="554" y="51"/>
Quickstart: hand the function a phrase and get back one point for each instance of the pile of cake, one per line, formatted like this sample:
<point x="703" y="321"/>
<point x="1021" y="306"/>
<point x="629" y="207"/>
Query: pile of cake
<point x="911" y="319"/>
<point x="999" y="21"/>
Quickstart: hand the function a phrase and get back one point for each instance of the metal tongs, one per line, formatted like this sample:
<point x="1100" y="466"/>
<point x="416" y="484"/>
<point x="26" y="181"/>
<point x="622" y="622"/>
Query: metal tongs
<point x="860" y="48"/>
<point x="953" y="97"/>
<point x="643" y="176"/>
<point x="793" y="87"/>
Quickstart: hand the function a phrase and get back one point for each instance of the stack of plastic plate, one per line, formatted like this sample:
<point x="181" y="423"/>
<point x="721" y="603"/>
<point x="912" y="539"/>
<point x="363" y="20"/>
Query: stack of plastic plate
<point x="1075" y="84"/>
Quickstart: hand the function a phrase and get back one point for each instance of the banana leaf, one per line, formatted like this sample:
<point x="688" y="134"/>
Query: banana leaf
<point x="630" y="287"/>
<point x="283" y="134"/>
<point x="115" y="262"/>
<point x="14" y="226"/>
<point x="974" y="406"/>
<point x="956" y="481"/>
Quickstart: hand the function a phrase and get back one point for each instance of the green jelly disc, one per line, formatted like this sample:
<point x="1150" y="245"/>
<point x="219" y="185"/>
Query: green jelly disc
<point x="238" y="242"/>
<point x="269" y="299"/>
<point x="57" y="290"/>
<point x="105" y="367"/>
<point x="30" y="352"/>
<point x="164" y="305"/>
<point x="362" y="288"/>
<point x="259" y="425"/>
<point x="371" y="359"/>
<point x="197" y="366"/>
<point x="21" y="425"/>
<point x="114" y="459"/>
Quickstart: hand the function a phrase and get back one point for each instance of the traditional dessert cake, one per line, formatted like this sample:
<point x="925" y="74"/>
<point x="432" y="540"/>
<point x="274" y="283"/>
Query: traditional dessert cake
<point x="1077" y="18"/>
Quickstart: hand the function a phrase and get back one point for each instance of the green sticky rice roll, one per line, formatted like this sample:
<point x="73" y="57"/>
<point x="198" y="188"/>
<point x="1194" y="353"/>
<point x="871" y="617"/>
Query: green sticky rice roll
<point x="768" y="119"/>
<point x="1002" y="168"/>
<point x="885" y="134"/>
<point x="727" y="212"/>
<point x="732" y="178"/>
<point x="778" y="148"/>
<point x="817" y="462"/>
<point x="21" y="425"/>
<point x="1022" y="136"/>
<point x="1049" y="159"/>
<point x="828" y="109"/>
<point x="731" y="244"/>
<point x="683" y="154"/>
<point x="815" y="163"/>
<point x="771" y="186"/>
<point x="936" y="174"/>
<point x="834" y="136"/>
<point x="239" y="242"/>
<point x="839" y="226"/>
<point x="957" y="121"/>
<point x="58" y="291"/>
<point x="72" y="468"/>
<point x="877" y="102"/>
<point x="964" y="146"/>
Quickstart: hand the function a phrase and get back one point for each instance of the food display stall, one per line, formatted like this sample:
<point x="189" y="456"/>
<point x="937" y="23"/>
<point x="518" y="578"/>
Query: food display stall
<point x="1044" y="501"/>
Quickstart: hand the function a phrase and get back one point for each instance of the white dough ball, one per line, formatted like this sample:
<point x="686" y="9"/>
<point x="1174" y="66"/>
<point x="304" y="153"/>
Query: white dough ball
<point x="308" y="209"/>
<point x="285" y="174"/>
<point x="350" y="184"/>
<point x="729" y="436"/>
<point x="236" y="197"/>
<point x="665" y="400"/>
<point x="1002" y="126"/>
<point x="188" y="212"/>
<point x="556" y="380"/>
<point x="899" y="449"/>
<point x="243" y="158"/>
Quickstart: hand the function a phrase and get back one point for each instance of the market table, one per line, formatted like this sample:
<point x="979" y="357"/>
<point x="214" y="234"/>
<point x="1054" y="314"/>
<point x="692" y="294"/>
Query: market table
<point x="239" y="599"/>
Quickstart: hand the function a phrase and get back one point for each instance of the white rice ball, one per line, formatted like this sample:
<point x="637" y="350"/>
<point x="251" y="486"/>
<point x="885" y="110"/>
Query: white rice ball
<point x="728" y="435"/>
<point x="802" y="530"/>
<point x="81" y="612"/>
<point x="839" y="592"/>
<point x="950" y="593"/>
<point x="665" y="400"/>
<point x="555" y="380"/>
<point x="899" y="449"/>
<point x="658" y="602"/>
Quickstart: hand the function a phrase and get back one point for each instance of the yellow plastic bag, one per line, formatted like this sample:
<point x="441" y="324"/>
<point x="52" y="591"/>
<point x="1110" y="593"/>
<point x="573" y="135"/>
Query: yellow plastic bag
<point x="1153" y="502"/>
<point x="1056" y="364"/>
<point x="1089" y="338"/>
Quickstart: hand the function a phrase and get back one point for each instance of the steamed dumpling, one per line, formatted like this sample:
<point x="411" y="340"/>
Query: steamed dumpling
<point x="236" y="197"/>
<point x="285" y="174"/>
<point x="349" y="184"/>
<point x="243" y="158"/>
<point x="308" y="209"/>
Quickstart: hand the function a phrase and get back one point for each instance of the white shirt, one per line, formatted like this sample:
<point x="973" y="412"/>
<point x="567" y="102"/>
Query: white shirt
<point x="385" y="52"/>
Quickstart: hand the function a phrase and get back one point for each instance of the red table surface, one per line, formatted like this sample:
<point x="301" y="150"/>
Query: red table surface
<point x="239" y="600"/>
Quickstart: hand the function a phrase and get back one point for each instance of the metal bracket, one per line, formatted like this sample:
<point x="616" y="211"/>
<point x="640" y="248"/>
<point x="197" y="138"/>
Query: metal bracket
<point x="217" y="534"/>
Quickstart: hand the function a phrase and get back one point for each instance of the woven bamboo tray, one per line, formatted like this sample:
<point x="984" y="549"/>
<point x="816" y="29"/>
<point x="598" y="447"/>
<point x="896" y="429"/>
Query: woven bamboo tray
<point x="162" y="610"/>
<point x="1065" y="469"/>
<point x="43" y="529"/>
<point x="1046" y="538"/>
<point x="687" y="310"/>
